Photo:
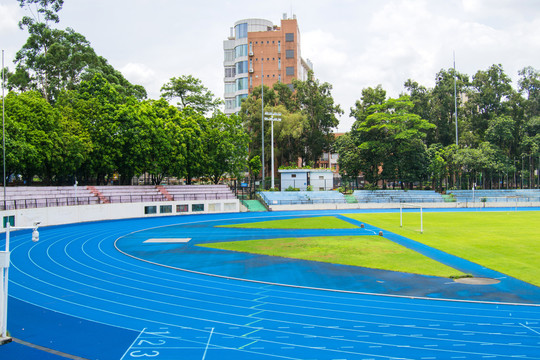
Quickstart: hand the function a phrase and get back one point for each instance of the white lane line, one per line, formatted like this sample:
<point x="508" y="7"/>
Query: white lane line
<point x="208" y="343"/>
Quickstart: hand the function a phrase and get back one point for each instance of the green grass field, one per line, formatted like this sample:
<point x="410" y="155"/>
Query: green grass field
<point x="367" y="251"/>
<point x="322" y="222"/>
<point x="508" y="242"/>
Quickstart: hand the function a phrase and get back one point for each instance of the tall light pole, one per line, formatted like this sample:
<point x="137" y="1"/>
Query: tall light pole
<point x="262" y="121"/>
<point x="3" y="130"/>
<point x="455" y="98"/>
<point x="4" y="278"/>
<point x="272" y="117"/>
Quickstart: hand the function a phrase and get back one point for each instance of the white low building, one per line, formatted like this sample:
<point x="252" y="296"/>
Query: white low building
<point x="319" y="179"/>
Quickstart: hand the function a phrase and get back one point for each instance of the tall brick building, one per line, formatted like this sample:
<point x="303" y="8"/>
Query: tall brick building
<point x="259" y="51"/>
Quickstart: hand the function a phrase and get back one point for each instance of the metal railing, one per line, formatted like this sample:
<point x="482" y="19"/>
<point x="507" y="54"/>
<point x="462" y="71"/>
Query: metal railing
<point x="15" y="204"/>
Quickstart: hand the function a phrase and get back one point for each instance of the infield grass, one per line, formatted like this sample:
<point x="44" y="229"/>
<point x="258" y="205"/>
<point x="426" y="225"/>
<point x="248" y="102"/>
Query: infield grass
<point x="319" y="222"/>
<point x="507" y="241"/>
<point x="366" y="251"/>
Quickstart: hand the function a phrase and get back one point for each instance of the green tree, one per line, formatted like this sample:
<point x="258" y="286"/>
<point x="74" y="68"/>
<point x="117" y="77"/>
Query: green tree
<point x="255" y="166"/>
<point x="391" y="138"/>
<point x="226" y="146"/>
<point x="33" y="137"/>
<point x="190" y="92"/>
<point x="349" y="159"/>
<point x="190" y="157"/>
<point x="488" y="98"/>
<point x="370" y="96"/>
<point x="316" y="102"/>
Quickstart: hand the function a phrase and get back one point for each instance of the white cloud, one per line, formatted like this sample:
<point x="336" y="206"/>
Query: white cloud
<point x="141" y="74"/>
<point x="9" y="17"/>
<point x="352" y="44"/>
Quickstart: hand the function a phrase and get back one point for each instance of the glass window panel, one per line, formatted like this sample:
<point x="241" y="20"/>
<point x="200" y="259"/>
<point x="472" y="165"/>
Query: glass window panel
<point x="242" y="83"/>
<point x="197" y="207"/>
<point x="229" y="103"/>
<point x="289" y="37"/>
<point x="241" y="31"/>
<point x="150" y="209"/>
<point x="181" y="208"/>
<point x="230" y="88"/>
<point x="230" y="71"/>
<point x="229" y="55"/>
<point x="241" y="67"/>
<point x="239" y="99"/>
<point x="165" y="209"/>
<point x="289" y="54"/>
<point x="290" y="70"/>
<point x="241" y="50"/>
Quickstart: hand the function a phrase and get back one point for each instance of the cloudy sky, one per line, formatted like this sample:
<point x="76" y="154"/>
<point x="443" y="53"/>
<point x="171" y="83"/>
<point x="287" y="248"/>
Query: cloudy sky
<point x="353" y="44"/>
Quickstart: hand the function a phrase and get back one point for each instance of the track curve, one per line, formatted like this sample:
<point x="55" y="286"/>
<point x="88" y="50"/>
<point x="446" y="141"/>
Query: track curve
<point x="76" y="271"/>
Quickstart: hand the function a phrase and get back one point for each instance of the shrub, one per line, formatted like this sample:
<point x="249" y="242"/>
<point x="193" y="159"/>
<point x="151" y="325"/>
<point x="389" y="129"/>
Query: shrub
<point x="290" y="188"/>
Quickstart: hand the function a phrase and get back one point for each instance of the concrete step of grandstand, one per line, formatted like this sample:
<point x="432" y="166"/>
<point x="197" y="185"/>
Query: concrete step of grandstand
<point x="254" y="205"/>
<point x="351" y="199"/>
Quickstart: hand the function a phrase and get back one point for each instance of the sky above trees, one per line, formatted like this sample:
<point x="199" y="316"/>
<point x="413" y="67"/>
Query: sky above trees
<point x="353" y="44"/>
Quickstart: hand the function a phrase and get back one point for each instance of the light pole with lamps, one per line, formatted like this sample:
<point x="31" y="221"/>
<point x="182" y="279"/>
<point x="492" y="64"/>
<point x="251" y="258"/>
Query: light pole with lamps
<point x="4" y="278"/>
<point x="272" y="117"/>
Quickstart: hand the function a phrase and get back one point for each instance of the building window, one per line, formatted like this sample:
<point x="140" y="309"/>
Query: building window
<point x="165" y="209"/>
<point x="289" y="54"/>
<point x="197" y="207"/>
<point x="181" y="208"/>
<point x="289" y="37"/>
<point x="229" y="55"/>
<point x="289" y="71"/>
<point x="240" y="50"/>
<point x="251" y="81"/>
<point x="279" y="46"/>
<point x="9" y="219"/>
<point x="230" y="88"/>
<point x="229" y="104"/>
<point x="241" y="31"/>
<point x="241" y="67"/>
<point x="239" y="100"/>
<point x="241" y="83"/>
<point x="279" y="78"/>
<point x="150" y="210"/>
<point x="279" y="63"/>
<point x="230" y="71"/>
<point x="250" y="47"/>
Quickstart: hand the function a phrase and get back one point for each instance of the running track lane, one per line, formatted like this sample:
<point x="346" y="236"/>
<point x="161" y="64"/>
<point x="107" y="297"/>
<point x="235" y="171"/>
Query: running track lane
<point x="75" y="273"/>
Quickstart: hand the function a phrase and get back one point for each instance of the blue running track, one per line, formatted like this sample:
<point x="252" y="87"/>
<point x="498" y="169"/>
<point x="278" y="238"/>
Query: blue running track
<point x="98" y="291"/>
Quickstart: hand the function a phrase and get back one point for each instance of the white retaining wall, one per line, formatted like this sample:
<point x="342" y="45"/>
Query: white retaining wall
<point x="83" y="213"/>
<point x="396" y="205"/>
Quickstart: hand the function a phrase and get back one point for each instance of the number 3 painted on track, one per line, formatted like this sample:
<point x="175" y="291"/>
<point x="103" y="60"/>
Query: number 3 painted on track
<point x="139" y="353"/>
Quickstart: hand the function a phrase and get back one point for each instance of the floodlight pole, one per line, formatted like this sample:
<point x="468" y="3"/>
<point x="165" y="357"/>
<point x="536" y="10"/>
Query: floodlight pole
<point x="4" y="278"/>
<point x="262" y="121"/>
<point x="455" y="98"/>
<point x="272" y="117"/>
<point x="4" y="130"/>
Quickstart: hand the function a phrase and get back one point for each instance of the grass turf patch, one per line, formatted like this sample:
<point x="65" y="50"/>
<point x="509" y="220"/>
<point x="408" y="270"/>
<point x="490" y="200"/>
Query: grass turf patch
<point x="366" y="251"/>
<point x="508" y="242"/>
<point x="320" y="222"/>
